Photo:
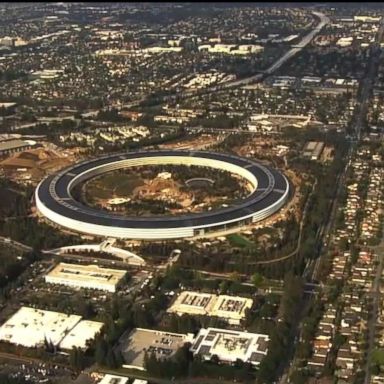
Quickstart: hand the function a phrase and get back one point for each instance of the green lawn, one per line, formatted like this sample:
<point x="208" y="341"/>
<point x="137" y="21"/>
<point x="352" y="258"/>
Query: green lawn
<point x="239" y="241"/>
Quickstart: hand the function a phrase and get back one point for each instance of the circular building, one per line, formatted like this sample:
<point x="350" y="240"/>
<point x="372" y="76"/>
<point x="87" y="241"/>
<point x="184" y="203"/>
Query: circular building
<point x="270" y="191"/>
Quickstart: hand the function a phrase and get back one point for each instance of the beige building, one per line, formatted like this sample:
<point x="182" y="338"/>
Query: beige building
<point x="229" y="308"/>
<point x="140" y="341"/>
<point x="86" y="276"/>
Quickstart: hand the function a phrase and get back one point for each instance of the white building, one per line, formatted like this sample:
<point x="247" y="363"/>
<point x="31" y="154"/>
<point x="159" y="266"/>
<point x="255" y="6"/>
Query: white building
<point x="165" y="175"/>
<point x="79" y="335"/>
<point x="229" y="346"/>
<point x="86" y="276"/>
<point x="114" y="379"/>
<point x="345" y="41"/>
<point x="32" y="327"/>
<point x="231" y="48"/>
<point x="367" y="19"/>
<point x="162" y="49"/>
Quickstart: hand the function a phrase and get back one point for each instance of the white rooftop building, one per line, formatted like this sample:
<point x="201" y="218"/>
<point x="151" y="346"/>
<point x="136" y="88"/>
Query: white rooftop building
<point x="79" y="335"/>
<point x="229" y="346"/>
<point x="114" y="379"/>
<point x="32" y="327"/>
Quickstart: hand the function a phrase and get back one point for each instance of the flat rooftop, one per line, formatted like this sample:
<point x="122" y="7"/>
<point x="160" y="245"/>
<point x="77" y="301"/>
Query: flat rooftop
<point x="232" y="307"/>
<point x="13" y="144"/>
<point x="7" y="105"/>
<point x="223" y="306"/>
<point x="79" y="273"/>
<point x="195" y="303"/>
<point x="230" y="345"/>
<point x="139" y="341"/>
<point x="30" y="327"/>
<point x="79" y="335"/>
<point x="113" y="379"/>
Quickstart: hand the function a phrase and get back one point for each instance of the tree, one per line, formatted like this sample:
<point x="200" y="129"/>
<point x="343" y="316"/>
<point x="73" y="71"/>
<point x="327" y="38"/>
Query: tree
<point x="223" y="287"/>
<point x="235" y="277"/>
<point x="215" y="359"/>
<point x="100" y="352"/>
<point x="76" y="359"/>
<point x="110" y="359"/>
<point x="299" y="377"/>
<point x="257" y="279"/>
<point x="5" y="379"/>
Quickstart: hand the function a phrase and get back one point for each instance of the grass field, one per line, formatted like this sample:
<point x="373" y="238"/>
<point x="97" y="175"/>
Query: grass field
<point x="240" y="241"/>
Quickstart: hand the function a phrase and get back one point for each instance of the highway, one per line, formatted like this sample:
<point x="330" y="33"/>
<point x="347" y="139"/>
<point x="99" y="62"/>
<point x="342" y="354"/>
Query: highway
<point x="324" y="20"/>
<point x="368" y="82"/>
<point x="283" y="59"/>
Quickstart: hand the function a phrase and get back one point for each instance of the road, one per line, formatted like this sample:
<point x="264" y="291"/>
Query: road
<point x="296" y="250"/>
<point x="368" y="82"/>
<point x="362" y="109"/>
<point x="283" y="59"/>
<point x="30" y="360"/>
<point x="325" y="231"/>
<point x="324" y="20"/>
<point x="311" y="270"/>
<point x="15" y="244"/>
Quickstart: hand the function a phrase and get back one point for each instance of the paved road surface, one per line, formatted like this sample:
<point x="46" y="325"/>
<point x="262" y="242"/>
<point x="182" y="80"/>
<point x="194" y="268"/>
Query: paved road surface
<point x="16" y="244"/>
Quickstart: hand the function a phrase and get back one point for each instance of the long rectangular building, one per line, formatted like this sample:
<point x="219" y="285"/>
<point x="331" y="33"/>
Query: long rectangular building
<point x="229" y="308"/>
<point x="15" y="145"/>
<point x="229" y="346"/>
<point x="86" y="276"/>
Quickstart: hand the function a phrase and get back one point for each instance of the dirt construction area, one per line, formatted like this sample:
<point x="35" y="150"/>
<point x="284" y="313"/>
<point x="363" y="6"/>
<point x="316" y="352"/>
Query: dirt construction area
<point x="33" y="165"/>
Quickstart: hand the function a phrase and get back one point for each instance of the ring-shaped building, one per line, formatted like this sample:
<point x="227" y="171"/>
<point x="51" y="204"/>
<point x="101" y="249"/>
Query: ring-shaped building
<point x="54" y="200"/>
